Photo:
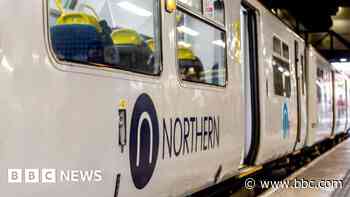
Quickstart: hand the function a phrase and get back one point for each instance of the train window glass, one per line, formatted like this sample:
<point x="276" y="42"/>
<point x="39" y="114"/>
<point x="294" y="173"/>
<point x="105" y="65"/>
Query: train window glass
<point x="277" y="45"/>
<point x="285" y="49"/>
<point x="288" y="87"/>
<point x="193" y="4"/>
<point x="278" y="81"/>
<point x="201" y="51"/>
<point x="214" y="9"/>
<point x="121" y="34"/>
<point x="281" y="77"/>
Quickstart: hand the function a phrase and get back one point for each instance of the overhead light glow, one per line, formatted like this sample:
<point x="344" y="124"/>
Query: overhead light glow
<point x="187" y="30"/>
<point x="343" y="59"/>
<point x="187" y="2"/>
<point x="6" y="65"/>
<point x="280" y="69"/>
<point x="219" y="43"/>
<point x="342" y="66"/>
<point x="134" y="9"/>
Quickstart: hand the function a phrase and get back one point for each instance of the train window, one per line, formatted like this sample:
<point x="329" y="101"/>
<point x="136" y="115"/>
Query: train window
<point x="285" y="49"/>
<point x="121" y="34"/>
<point x="194" y="4"/>
<point x="288" y="88"/>
<point x="278" y="81"/>
<point x="277" y="45"/>
<point x="281" y="77"/>
<point x="201" y="51"/>
<point x="215" y="10"/>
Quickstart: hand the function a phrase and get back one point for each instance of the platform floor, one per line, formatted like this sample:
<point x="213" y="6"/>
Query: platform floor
<point x="332" y="166"/>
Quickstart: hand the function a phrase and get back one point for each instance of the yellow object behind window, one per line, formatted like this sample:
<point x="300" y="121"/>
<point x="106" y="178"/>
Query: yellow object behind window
<point x="185" y="54"/>
<point x="78" y="18"/>
<point x="126" y="37"/>
<point x="151" y="44"/>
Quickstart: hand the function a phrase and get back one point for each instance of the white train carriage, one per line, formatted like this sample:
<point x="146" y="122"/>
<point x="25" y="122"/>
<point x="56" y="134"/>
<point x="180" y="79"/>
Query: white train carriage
<point x="152" y="98"/>
<point x="328" y="99"/>
<point x="164" y="98"/>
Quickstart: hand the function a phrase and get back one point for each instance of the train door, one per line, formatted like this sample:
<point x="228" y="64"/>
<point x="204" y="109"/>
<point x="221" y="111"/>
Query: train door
<point x="300" y="93"/>
<point x="339" y="92"/>
<point x="250" y="63"/>
<point x="324" y="101"/>
<point x="297" y="70"/>
<point x="348" y="104"/>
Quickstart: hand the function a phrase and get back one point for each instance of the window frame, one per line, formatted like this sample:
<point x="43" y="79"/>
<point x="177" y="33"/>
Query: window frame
<point x="273" y="46"/>
<point x="104" y="67"/>
<point x="284" y="44"/>
<point x="202" y="18"/>
<point x="201" y="14"/>
<point x="286" y="94"/>
<point x="184" y="5"/>
<point x="281" y="57"/>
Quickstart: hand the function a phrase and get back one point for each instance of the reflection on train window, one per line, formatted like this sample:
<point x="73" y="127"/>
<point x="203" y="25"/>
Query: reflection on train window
<point x="277" y="45"/>
<point x="215" y="10"/>
<point x="201" y="51"/>
<point x="122" y="34"/>
<point x="194" y="4"/>
<point x="285" y="51"/>
<point x="281" y="77"/>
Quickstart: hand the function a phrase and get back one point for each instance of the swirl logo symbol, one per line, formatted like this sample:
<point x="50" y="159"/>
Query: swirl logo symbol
<point x="144" y="141"/>
<point x="249" y="184"/>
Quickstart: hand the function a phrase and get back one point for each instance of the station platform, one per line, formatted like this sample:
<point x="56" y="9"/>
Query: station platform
<point x="328" y="175"/>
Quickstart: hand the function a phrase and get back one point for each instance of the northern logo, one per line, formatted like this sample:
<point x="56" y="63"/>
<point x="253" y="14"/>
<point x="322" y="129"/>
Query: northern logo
<point x="144" y="141"/>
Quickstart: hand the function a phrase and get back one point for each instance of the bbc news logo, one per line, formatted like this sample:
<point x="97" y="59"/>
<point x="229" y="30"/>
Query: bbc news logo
<point x="49" y="176"/>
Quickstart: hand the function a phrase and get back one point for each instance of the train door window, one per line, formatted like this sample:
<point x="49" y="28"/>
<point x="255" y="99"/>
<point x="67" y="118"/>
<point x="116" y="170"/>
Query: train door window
<point x="201" y="50"/>
<point x="285" y="49"/>
<point x="281" y="77"/>
<point x="120" y="34"/>
<point x="320" y="77"/>
<point x="277" y="46"/>
<point x="281" y="69"/>
<point x="278" y="79"/>
<point x="288" y="88"/>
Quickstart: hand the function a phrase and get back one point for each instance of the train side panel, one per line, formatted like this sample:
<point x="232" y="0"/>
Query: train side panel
<point x="340" y="102"/>
<point x="320" y="97"/>
<point x="348" y="104"/>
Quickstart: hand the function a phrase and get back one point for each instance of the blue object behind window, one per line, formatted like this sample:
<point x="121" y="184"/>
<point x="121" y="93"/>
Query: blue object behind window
<point x="77" y="43"/>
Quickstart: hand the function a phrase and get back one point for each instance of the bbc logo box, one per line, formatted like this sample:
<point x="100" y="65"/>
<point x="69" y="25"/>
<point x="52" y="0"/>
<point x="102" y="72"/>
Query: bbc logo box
<point x="31" y="176"/>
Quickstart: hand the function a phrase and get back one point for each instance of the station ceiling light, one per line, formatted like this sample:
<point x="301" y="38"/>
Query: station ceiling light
<point x="219" y="43"/>
<point x="134" y="9"/>
<point x="187" y="30"/>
